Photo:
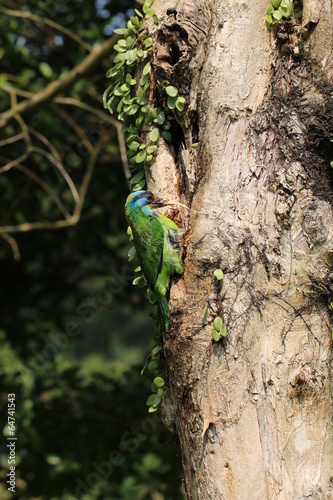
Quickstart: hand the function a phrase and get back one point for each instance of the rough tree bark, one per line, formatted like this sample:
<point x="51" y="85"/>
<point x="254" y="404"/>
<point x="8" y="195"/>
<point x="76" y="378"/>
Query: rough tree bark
<point x="253" y="412"/>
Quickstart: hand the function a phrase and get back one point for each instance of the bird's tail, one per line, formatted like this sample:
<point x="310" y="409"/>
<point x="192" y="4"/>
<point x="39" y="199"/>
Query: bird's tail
<point x="164" y="311"/>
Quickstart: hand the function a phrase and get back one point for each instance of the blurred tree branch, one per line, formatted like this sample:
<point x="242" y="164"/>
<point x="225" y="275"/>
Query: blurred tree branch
<point x="102" y="115"/>
<point x="25" y="14"/>
<point x="60" y="85"/>
<point x="13" y="245"/>
<point x="75" y="217"/>
<point x="15" y="130"/>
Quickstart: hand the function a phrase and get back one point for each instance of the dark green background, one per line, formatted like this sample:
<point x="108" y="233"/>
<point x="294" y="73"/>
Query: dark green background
<point x="74" y="331"/>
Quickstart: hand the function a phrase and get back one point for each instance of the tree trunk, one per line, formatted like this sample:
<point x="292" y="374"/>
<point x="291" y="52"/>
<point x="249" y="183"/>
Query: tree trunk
<point x="253" y="411"/>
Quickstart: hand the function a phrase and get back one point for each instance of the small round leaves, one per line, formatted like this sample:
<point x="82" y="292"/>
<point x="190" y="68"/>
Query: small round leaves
<point x="171" y="91"/>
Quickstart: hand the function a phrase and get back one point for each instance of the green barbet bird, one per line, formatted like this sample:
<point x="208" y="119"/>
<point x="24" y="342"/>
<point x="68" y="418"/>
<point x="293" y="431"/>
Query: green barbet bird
<point x="156" y="241"/>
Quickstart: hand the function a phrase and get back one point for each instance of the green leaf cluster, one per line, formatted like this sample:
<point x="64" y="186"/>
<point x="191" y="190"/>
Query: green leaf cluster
<point x="157" y="388"/>
<point x="139" y="279"/>
<point x="129" y="94"/>
<point x="152" y="363"/>
<point x="277" y="10"/>
<point x="220" y="330"/>
<point x="173" y="99"/>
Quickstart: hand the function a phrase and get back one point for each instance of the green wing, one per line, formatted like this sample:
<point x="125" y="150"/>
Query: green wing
<point x="167" y="222"/>
<point x="171" y="254"/>
<point x="148" y="237"/>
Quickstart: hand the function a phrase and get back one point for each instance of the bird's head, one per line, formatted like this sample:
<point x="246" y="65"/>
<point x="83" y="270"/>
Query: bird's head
<point x="141" y="199"/>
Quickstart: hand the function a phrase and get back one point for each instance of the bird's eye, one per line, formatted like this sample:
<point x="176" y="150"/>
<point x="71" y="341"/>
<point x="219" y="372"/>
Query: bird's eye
<point x="150" y="197"/>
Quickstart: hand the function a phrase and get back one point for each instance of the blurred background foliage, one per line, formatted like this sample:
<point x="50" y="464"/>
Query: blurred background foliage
<point x="74" y="332"/>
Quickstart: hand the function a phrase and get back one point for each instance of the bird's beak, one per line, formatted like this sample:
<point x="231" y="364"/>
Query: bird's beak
<point x="158" y="202"/>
